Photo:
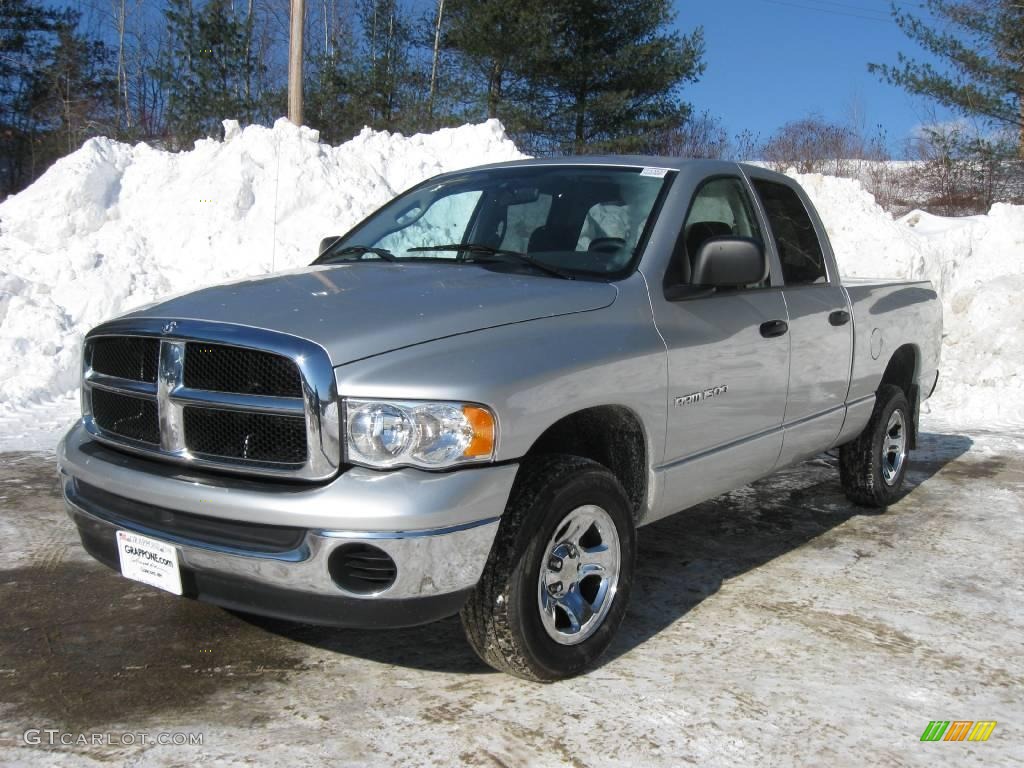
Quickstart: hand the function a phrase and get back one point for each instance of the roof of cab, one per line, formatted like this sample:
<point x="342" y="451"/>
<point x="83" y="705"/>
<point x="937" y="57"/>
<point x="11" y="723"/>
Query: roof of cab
<point x="702" y="167"/>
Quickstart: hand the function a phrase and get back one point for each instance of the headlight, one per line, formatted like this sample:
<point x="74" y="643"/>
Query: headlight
<point x="431" y="435"/>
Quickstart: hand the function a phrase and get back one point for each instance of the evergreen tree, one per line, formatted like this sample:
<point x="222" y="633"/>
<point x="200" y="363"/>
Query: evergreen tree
<point x="382" y="83"/>
<point x="576" y="75"/>
<point x="444" y="92"/>
<point x="615" y="72"/>
<point x="74" y="93"/>
<point x="332" y="91"/>
<point x="982" y="42"/>
<point x="175" y="72"/>
<point x="370" y="74"/>
<point x="502" y="47"/>
<point x="221" y="65"/>
<point x="55" y="90"/>
<point x="26" y="31"/>
<point x="206" y="70"/>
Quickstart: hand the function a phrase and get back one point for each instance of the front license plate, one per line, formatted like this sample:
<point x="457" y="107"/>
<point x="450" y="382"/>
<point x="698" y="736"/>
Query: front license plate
<point x="149" y="561"/>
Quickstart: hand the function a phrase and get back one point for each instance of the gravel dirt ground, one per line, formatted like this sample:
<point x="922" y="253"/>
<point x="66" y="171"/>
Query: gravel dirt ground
<point x="775" y="625"/>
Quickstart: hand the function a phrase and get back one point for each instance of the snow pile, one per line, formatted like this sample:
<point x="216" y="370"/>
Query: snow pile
<point x="112" y="227"/>
<point x="976" y="264"/>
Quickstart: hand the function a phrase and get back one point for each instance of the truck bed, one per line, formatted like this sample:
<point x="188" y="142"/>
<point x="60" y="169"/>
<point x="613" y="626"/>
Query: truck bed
<point x="886" y="312"/>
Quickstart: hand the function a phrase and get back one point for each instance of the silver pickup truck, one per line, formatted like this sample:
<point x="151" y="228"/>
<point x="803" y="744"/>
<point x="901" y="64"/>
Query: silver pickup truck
<point x="470" y="402"/>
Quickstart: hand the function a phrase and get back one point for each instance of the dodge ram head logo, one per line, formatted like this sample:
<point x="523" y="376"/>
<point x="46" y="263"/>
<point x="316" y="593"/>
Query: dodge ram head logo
<point x="699" y="397"/>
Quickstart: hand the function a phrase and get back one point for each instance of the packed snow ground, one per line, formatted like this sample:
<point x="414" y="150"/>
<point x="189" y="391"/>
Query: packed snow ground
<point x="777" y="625"/>
<point x="112" y="227"/>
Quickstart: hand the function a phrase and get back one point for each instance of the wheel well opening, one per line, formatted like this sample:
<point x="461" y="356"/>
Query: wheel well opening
<point x="902" y="372"/>
<point x="611" y="436"/>
<point x="902" y="369"/>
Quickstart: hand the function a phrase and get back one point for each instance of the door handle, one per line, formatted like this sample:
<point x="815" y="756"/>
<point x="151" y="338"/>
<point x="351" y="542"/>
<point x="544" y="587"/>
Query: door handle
<point x="839" y="317"/>
<point x="774" y="328"/>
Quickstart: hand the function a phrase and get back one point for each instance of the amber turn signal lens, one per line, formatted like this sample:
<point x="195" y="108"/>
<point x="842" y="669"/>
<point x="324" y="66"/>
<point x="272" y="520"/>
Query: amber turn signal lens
<point x="482" y="422"/>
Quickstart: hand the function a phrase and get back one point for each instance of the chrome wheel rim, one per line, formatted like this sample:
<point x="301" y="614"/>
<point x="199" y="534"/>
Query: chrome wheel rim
<point x="579" y="575"/>
<point x="894" y="447"/>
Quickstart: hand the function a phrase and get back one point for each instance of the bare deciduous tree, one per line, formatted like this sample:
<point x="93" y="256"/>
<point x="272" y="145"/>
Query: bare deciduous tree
<point x="961" y="171"/>
<point x="700" y="136"/>
<point x="812" y="145"/>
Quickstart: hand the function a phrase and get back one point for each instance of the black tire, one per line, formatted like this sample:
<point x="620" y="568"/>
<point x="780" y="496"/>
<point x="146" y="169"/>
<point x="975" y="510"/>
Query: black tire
<point x="861" y="462"/>
<point x="502" y="618"/>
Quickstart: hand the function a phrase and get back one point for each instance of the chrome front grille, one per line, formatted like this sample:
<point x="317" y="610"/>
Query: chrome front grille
<point x="240" y="435"/>
<point x="134" y="418"/>
<point x="211" y="395"/>
<point x="126" y="357"/>
<point x="219" y="368"/>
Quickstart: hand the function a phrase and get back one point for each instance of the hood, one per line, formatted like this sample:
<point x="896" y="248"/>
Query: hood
<point x="363" y="309"/>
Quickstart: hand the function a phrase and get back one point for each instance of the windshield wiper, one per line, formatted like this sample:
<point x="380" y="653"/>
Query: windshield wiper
<point x="495" y="254"/>
<point x="354" y="250"/>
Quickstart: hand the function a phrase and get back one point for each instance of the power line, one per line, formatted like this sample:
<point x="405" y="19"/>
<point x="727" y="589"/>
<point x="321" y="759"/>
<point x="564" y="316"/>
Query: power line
<point x="830" y="11"/>
<point x="850" y="6"/>
<point x="872" y="8"/>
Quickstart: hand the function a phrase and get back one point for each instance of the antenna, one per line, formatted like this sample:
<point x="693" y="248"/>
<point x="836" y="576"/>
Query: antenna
<point x="277" y="182"/>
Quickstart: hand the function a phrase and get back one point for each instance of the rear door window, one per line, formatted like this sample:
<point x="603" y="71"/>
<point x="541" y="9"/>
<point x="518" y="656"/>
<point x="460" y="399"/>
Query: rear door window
<point x="803" y="262"/>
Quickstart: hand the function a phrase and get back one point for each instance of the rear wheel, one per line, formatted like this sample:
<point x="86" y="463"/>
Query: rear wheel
<point x="873" y="466"/>
<point x="555" y="586"/>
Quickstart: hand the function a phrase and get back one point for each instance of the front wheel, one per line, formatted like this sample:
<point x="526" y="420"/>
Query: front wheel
<point x="555" y="586"/>
<point x="873" y="466"/>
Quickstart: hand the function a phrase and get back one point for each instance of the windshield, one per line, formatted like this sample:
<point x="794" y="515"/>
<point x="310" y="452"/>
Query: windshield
<point x="587" y="220"/>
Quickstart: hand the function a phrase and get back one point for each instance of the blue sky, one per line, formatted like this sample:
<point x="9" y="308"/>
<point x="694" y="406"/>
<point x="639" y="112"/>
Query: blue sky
<point x="772" y="61"/>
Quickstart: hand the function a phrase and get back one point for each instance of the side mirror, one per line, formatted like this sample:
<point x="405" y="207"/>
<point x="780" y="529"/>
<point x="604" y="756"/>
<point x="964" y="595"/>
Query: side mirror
<point x="729" y="262"/>
<point x="326" y="243"/>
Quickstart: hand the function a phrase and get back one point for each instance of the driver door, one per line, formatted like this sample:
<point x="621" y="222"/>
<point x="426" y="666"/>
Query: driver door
<point x="728" y="364"/>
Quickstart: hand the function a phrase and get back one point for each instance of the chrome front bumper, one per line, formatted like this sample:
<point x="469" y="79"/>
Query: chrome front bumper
<point x="438" y="528"/>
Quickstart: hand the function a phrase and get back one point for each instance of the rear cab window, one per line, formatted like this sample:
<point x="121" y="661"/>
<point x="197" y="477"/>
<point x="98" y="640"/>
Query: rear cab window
<point x="803" y="261"/>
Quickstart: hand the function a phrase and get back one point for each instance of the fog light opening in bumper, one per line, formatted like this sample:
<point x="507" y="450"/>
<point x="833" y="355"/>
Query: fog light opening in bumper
<point x="362" y="569"/>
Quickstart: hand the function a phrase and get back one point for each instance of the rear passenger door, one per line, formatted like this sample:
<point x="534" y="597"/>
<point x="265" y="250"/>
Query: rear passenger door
<point x="820" y="323"/>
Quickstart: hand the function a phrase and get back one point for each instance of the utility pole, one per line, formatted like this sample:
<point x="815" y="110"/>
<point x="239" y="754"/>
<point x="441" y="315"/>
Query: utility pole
<point x="295" y="62"/>
<point x="433" y="63"/>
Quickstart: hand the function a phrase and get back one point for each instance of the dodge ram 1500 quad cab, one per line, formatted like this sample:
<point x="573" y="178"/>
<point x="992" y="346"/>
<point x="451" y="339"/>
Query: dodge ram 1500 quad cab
<point x="470" y="402"/>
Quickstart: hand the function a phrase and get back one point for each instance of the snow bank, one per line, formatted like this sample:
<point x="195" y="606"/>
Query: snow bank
<point x="977" y="266"/>
<point x="112" y="227"/>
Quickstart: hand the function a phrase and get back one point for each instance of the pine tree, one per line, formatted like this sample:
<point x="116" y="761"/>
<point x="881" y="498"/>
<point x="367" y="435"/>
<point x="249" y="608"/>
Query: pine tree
<point x="615" y="73"/>
<point x="371" y="72"/>
<point x="206" y="69"/>
<point x="55" y="89"/>
<point x="332" y="90"/>
<point x="502" y="46"/>
<point x="577" y="75"/>
<point x="221" y="66"/>
<point x="26" y="31"/>
<point x="175" y="73"/>
<point x="74" y="93"/>
<point x="982" y="44"/>
<point x="382" y="82"/>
